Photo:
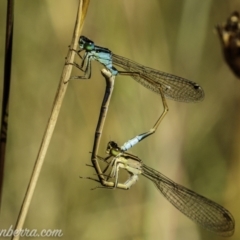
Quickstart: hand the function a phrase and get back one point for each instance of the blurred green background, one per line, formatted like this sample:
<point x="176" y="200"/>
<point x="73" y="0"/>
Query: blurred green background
<point x="197" y="145"/>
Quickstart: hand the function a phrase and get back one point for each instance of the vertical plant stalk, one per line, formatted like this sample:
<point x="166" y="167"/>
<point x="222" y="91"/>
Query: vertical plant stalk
<point x="83" y="5"/>
<point x="6" y="89"/>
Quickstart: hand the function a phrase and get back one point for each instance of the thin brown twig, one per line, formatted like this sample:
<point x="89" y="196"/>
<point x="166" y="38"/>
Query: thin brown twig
<point x="53" y="118"/>
<point x="6" y="89"/>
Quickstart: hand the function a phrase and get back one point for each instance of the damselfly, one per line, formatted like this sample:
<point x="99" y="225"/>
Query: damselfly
<point x="165" y="84"/>
<point x="201" y="210"/>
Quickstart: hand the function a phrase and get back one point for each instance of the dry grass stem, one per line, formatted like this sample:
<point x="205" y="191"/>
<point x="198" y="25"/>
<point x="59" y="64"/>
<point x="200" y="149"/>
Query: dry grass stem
<point x="53" y="117"/>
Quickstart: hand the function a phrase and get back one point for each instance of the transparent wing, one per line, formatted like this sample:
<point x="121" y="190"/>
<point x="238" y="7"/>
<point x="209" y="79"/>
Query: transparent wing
<point x="205" y="212"/>
<point x="174" y="87"/>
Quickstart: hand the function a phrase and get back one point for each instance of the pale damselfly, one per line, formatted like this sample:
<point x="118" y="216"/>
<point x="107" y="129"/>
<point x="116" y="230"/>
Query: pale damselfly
<point x="199" y="209"/>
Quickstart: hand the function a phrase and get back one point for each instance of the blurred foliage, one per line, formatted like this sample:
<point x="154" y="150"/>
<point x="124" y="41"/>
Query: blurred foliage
<point x="197" y="145"/>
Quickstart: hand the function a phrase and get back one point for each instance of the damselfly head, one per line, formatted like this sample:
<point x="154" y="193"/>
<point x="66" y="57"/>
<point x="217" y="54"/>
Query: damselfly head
<point x="86" y="44"/>
<point x="113" y="149"/>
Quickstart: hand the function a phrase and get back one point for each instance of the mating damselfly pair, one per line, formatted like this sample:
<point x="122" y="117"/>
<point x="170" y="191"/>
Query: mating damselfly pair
<point x="205" y="212"/>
